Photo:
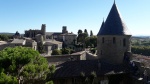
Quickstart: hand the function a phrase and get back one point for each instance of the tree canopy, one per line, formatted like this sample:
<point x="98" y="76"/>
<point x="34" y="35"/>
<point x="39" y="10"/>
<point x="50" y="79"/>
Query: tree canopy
<point x="24" y="63"/>
<point x="85" y="40"/>
<point x="143" y="50"/>
<point x="91" y="33"/>
<point x="91" y="41"/>
<point x="5" y="37"/>
<point x="79" y="31"/>
<point x="5" y="79"/>
<point x="86" y="33"/>
<point x="56" y="52"/>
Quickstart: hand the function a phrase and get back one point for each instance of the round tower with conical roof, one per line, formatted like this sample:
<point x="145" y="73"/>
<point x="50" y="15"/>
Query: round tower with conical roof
<point x="113" y="38"/>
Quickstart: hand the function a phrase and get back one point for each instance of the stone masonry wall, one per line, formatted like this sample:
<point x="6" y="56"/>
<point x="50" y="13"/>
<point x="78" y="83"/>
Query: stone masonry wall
<point x="110" y="51"/>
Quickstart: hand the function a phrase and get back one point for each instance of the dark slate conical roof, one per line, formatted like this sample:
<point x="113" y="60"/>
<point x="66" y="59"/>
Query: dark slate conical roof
<point x="114" y="24"/>
<point x="101" y="27"/>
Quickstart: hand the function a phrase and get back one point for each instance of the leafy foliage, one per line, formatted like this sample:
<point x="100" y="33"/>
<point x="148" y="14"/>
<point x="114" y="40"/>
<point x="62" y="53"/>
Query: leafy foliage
<point x="143" y="50"/>
<point x="65" y="51"/>
<point x="86" y="33"/>
<point x="56" y="52"/>
<point x="85" y="40"/>
<point x="24" y="63"/>
<point x="5" y="37"/>
<point x="91" y="33"/>
<point x="91" y="41"/>
<point x="81" y="37"/>
<point x="140" y="45"/>
<point x="5" y="79"/>
<point x="80" y="32"/>
<point x="49" y="82"/>
<point x="40" y="47"/>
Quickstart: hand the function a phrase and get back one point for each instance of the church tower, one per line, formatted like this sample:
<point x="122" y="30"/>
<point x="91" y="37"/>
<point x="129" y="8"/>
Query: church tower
<point x="113" y="38"/>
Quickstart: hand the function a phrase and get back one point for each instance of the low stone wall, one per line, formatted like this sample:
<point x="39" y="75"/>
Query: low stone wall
<point x="58" y="59"/>
<point x="90" y="56"/>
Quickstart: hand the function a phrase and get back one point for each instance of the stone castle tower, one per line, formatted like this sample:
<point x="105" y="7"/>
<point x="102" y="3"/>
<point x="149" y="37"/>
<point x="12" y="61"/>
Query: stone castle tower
<point x="64" y="29"/>
<point x="32" y="33"/>
<point x="113" y="38"/>
<point x="43" y="31"/>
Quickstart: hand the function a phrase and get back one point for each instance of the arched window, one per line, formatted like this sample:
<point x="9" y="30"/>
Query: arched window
<point x="103" y="40"/>
<point x="114" y="40"/>
<point x="124" y="42"/>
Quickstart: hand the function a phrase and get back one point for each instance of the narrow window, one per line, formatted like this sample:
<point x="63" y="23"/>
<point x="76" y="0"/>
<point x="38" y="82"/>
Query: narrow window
<point x="103" y="40"/>
<point x="114" y="40"/>
<point x="124" y="42"/>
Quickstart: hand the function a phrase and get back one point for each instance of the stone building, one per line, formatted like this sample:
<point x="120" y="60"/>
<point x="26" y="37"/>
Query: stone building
<point x="64" y="36"/>
<point x="50" y="45"/>
<point x="32" y="33"/>
<point x="57" y="35"/>
<point x="113" y="38"/>
<point x="25" y="42"/>
<point x="68" y="38"/>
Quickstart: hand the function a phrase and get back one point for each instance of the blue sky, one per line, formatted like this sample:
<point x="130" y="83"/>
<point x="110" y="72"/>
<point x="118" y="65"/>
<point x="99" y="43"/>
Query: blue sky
<point x="20" y="15"/>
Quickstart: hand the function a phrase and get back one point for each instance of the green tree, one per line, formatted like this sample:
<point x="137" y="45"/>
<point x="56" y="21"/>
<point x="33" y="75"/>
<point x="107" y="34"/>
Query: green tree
<point x="50" y="74"/>
<point x="80" y="31"/>
<point x="4" y="37"/>
<point x="87" y="42"/>
<point x="91" y="33"/>
<point x="6" y="79"/>
<point x="81" y="37"/>
<point x="93" y="40"/>
<point x="86" y="33"/>
<point x="65" y="51"/>
<point x="49" y="82"/>
<point x="56" y="52"/>
<point x="25" y="64"/>
<point x="40" y="47"/>
<point x="143" y="50"/>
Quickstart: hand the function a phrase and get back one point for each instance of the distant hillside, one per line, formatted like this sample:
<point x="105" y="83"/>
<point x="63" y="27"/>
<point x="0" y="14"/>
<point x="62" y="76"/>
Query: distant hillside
<point x="140" y="36"/>
<point x="7" y="33"/>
